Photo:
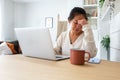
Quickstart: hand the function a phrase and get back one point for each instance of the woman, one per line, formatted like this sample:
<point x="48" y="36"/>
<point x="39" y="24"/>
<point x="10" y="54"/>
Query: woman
<point x="79" y="36"/>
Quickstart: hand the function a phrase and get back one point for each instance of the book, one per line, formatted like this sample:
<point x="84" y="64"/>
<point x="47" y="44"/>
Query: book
<point x="86" y="2"/>
<point x="94" y="13"/>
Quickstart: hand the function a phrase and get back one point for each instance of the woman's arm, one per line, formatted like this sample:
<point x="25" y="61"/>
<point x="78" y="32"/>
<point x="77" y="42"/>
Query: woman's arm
<point x="89" y="43"/>
<point x="58" y="45"/>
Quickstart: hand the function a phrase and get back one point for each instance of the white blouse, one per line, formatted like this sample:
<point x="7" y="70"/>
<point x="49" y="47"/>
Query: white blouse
<point x="84" y="42"/>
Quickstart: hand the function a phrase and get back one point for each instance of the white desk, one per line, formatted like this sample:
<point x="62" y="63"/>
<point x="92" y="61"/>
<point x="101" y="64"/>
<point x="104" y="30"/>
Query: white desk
<point x="18" y="67"/>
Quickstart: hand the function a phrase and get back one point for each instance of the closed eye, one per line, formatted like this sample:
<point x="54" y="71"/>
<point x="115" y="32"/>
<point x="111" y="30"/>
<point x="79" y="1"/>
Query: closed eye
<point x="75" y="22"/>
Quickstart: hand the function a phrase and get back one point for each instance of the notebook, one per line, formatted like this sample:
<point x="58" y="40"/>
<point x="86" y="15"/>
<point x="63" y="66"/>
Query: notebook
<point x="36" y="42"/>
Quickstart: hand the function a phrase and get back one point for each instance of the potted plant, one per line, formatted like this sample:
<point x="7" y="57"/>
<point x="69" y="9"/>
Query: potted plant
<point x="101" y="3"/>
<point x="106" y="44"/>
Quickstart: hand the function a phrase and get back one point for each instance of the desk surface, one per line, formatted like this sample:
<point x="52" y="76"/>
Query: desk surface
<point x="18" y="67"/>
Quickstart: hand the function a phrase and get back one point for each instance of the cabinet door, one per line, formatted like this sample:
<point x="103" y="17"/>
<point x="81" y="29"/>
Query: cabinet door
<point x="115" y="38"/>
<point x="114" y="54"/>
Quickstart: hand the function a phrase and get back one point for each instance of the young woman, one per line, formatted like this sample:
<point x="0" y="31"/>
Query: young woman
<point x="79" y="36"/>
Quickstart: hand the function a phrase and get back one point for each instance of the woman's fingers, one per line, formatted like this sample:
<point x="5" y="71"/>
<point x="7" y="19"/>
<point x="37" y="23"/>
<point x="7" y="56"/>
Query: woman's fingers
<point x="82" y="22"/>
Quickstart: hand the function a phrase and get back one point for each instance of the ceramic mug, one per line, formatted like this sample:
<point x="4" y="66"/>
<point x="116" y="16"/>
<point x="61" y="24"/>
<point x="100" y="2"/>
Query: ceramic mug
<point x="78" y="57"/>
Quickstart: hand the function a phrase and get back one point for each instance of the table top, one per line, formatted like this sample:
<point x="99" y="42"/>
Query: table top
<point x="19" y="67"/>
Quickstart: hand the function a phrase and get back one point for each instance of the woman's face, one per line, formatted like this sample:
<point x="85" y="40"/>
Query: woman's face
<point x="74" y="23"/>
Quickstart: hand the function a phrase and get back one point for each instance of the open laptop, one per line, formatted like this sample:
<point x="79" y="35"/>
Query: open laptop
<point x="36" y="42"/>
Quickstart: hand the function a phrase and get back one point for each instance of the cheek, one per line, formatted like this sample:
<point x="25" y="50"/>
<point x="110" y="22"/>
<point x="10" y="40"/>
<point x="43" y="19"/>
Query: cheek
<point x="72" y="26"/>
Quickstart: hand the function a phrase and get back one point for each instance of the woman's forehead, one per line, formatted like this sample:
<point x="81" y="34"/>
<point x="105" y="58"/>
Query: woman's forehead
<point x="78" y="17"/>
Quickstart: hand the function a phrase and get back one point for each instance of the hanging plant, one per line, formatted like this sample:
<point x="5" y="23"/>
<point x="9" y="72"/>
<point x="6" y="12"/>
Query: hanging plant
<point x="101" y="3"/>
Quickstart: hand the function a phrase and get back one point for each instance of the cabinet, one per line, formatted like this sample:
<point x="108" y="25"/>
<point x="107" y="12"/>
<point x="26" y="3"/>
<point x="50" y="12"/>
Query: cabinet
<point x="115" y="38"/>
<point x="115" y="33"/>
<point x="91" y="7"/>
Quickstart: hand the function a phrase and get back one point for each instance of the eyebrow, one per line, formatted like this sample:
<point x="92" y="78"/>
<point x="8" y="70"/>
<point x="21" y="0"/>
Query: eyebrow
<point x="75" y="20"/>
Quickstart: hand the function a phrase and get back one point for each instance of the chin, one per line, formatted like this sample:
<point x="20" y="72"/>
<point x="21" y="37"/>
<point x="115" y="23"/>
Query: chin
<point x="78" y="30"/>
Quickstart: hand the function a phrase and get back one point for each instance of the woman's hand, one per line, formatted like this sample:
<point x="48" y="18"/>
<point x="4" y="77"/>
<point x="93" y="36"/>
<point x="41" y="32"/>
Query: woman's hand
<point x="82" y="22"/>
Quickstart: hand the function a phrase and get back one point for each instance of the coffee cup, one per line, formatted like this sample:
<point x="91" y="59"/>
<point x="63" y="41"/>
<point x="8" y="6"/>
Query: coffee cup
<point x="79" y="57"/>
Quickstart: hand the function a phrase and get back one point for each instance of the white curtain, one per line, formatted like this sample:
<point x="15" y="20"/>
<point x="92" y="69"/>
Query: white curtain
<point x="1" y="11"/>
<point x="0" y="18"/>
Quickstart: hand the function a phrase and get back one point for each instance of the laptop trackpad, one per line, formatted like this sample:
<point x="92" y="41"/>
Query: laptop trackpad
<point x="62" y="56"/>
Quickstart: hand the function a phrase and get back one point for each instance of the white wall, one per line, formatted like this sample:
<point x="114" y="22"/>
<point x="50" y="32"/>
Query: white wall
<point x="74" y="3"/>
<point x="25" y="13"/>
<point x="32" y="14"/>
<point x="19" y="15"/>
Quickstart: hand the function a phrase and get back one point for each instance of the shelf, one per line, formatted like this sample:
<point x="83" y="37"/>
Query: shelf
<point x="90" y="6"/>
<point x="91" y="9"/>
<point x="94" y="18"/>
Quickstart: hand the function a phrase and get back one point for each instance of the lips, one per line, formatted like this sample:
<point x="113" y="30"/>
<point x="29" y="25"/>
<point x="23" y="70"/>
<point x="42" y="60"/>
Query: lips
<point x="77" y="29"/>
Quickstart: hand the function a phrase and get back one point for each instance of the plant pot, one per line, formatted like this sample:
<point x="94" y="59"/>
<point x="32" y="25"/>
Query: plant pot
<point x="108" y="54"/>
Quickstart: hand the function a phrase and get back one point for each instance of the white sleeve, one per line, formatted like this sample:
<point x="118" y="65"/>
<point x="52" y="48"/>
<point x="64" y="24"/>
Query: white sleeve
<point x="58" y="45"/>
<point x="88" y="40"/>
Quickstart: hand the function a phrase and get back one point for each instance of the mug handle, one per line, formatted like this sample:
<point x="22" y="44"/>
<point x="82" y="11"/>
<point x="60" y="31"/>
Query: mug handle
<point x="88" y="56"/>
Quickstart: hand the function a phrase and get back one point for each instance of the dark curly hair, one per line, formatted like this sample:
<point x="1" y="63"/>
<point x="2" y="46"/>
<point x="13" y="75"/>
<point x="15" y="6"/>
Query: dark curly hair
<point x="77" y="11"/>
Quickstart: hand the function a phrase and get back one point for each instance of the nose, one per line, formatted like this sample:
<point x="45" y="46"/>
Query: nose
<point x="79" y="26"/>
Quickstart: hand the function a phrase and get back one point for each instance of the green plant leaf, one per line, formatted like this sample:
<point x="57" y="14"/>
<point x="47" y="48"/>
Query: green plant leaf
<point x="101" y="2"/>
<point x="105" y="42"/>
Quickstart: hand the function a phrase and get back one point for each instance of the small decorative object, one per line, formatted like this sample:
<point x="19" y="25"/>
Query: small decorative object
<point x="49" y="22"/>
<point x="94" y="13"/>
<point x="106" y="44"/>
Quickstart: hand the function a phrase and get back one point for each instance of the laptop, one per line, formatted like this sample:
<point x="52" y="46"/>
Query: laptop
<point x="36" y="42"/>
